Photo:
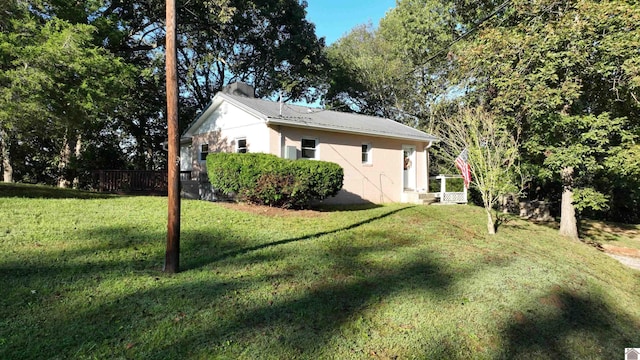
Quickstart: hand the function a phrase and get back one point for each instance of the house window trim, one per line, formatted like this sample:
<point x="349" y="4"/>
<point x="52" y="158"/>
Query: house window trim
<point x="369" y="153"/>
<point x="201" y="152"/>
<point x="316" y="148"/>
<point x="246" y="147"/>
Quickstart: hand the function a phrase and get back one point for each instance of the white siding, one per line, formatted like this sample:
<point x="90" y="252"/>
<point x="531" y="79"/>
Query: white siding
<point x="233" y="123"/>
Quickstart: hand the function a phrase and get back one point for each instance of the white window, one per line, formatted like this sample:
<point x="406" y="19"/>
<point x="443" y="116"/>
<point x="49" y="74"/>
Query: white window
<point x="366" y="153"/>
<point x="241" y="145"/>
<point x="309" y="148"/>
<point x="204" y="151"/>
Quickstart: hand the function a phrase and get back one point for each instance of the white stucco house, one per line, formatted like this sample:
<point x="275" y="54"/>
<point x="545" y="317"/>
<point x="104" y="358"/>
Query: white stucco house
<point x="383" y="160"/>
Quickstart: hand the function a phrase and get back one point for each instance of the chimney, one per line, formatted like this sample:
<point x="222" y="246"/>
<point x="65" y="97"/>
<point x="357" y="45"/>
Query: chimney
<point x="240" y="89"/>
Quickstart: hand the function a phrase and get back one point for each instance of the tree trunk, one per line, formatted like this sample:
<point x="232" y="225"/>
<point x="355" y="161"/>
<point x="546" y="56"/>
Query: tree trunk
<point x="63" y="164"/>
<point x="491" y="225"/>
<point x="7" y="169"/>
<point x="568" y="223"/>
<point x="77" y="153"/>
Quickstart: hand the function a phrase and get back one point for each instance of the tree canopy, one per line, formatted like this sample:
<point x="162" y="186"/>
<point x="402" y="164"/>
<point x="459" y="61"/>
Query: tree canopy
<point x="86" y="78"/>
<point x="564" y="74"/>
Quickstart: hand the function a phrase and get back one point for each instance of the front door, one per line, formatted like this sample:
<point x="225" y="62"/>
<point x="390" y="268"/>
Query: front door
<point x="409" y="168"/>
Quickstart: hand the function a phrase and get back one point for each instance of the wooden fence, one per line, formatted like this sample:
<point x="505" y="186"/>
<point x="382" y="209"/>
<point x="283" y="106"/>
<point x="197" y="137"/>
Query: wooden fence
<point x="131" y="181"/>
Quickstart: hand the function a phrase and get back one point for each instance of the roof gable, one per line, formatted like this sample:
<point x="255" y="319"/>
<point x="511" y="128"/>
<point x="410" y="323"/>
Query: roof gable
<point x="209" y="114"/>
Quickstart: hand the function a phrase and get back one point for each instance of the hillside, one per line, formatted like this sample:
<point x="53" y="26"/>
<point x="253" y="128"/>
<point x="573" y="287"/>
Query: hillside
<point x="81" y="278"/>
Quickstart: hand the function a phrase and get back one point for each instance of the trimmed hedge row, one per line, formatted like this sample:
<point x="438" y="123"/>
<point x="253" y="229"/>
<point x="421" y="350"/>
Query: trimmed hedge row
<point x="269" y="180"/>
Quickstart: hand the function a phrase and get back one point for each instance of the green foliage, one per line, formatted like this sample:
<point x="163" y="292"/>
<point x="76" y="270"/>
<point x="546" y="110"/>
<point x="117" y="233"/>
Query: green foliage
<point x="566" y="74"/>
<point x="365" y="77"/>
<point x="269" y="180"/>
<point x="589" y="198"/>
<point x="401" y="69"/>
<point x="93" y="70"/>
<point x="58" y="88"/>
<point x="492" y="154"/>
<point x="323" y="179"/>
<point x="269" y="42"/>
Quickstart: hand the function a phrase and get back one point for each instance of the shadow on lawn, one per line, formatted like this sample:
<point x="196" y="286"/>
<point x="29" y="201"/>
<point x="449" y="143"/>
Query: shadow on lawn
<point x="305" y="324"/>
<point x="200" y="238"/>
<point x="48" y="192"/>
<point x="570" y="318"/>
<point x="205" y="314"/>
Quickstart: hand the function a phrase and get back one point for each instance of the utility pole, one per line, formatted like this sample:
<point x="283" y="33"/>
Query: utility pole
<point x="172" y="255"/>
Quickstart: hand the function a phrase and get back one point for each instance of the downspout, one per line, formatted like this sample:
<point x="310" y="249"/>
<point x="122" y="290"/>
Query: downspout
<point x="428" y="161"/>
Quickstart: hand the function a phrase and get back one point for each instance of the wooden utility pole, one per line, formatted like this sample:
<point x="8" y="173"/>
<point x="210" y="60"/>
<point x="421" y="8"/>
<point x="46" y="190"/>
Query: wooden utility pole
<point x="172" y="256"/>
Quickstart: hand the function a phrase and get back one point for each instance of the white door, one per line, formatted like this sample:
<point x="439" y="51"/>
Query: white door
<point x="409" y="168"/>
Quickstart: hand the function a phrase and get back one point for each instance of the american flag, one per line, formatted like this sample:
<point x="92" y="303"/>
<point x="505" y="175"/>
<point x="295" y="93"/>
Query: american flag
<point x="462" y="163"/>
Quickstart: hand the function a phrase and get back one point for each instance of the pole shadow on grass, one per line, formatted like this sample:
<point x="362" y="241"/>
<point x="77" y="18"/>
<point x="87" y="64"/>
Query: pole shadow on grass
<point x="203" y="238"/>
<point x="303" y="324"/>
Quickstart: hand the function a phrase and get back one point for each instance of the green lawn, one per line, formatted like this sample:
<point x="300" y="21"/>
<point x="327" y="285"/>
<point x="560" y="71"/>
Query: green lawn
<point x="81" y="277"/>
<point x="622" y="235"/>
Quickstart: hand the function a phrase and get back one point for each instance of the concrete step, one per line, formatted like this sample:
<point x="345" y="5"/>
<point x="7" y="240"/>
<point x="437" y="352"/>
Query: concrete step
<point x="419" y="198"/>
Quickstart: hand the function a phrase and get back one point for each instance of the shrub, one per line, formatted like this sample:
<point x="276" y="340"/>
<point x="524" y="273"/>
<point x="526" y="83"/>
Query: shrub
<point x="269" y="180"/>
<point x="324" y="178"/>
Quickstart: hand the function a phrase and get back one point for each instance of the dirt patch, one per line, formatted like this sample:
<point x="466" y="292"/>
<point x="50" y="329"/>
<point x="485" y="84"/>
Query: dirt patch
<point x="520" y="318"/>
<point x="272" y="211"/>
<point x="623" y="251"/>
<point x="552" y="300"/>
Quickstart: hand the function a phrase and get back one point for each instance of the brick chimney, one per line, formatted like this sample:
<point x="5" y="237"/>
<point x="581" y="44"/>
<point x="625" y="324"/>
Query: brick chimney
<point x="240" y="89"/>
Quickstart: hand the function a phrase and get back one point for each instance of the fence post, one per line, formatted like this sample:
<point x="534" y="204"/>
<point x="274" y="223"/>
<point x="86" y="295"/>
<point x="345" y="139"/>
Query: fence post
<point x="464" y="190"/>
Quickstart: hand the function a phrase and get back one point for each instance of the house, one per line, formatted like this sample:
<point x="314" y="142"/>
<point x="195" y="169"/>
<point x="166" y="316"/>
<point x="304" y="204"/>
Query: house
<point x="383" y="160"/>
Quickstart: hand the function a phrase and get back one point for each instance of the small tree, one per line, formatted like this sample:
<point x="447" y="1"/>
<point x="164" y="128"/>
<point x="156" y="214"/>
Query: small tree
<point x="492" y="154"/>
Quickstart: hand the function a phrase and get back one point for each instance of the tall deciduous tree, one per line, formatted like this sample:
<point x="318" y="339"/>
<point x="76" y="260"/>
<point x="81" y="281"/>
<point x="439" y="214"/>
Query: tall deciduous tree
<point x="568" y="73"/>
<point x="58" y="85"/>
<point x="401" y="69"/>
<point x="269" y="44"/>
<point x="364" y="76"/>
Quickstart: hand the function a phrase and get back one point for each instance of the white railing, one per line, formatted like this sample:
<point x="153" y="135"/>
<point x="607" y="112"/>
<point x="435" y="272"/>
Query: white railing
<point x="450" y="197"/>
<point x="454" y="197"/>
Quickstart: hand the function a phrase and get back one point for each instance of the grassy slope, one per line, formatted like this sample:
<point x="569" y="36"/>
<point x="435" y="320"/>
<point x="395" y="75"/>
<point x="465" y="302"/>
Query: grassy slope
<point x="80" y="278"/>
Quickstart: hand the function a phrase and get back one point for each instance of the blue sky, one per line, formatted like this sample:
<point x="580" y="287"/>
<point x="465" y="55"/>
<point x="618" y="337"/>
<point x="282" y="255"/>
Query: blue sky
<point x="334" y="18"/>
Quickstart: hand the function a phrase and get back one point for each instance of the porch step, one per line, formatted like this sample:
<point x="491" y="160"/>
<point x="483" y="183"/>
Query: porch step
<point x="419" y="198"/>
<point x="428" y="198"/>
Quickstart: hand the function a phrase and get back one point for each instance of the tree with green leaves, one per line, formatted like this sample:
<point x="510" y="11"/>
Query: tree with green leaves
<point x="364" y="77"/>
<point x="567" y="73"/>
<point x="492" y="153"/>
<point x="402" y="69"/>
<point x="58" y="85"/>
<point x="106" y="83"/>
<point x="268" y="44"/>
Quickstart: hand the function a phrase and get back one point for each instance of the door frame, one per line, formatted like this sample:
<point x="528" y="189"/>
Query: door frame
<point x="409" y="180"/>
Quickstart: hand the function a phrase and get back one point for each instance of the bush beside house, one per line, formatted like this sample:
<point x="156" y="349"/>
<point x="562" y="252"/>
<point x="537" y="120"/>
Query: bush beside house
<point x="269" y="180"/>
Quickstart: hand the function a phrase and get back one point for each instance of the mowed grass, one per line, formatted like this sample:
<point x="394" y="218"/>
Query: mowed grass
<point x="622" y="235"/>
<point x="81" y="278"/>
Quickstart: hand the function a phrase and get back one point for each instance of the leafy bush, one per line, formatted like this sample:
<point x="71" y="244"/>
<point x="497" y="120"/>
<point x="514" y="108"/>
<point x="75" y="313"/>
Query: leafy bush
<point x="269" y="180"/>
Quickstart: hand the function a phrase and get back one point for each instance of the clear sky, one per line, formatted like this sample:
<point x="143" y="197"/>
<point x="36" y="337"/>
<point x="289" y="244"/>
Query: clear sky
<point x="335" y="18"/>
